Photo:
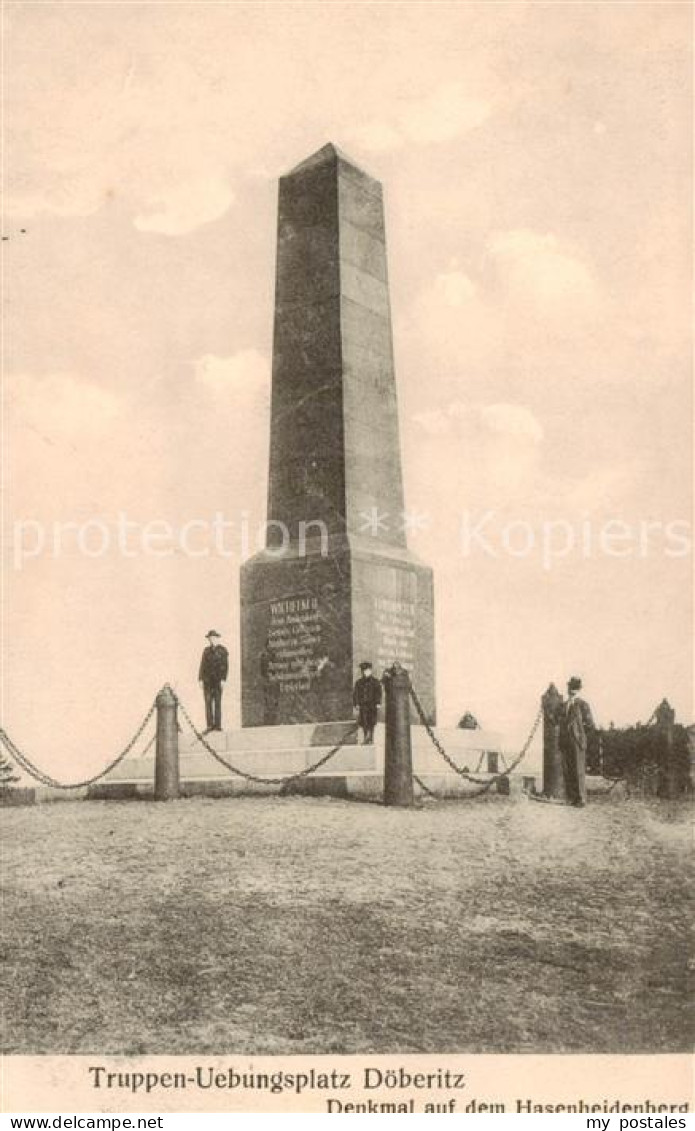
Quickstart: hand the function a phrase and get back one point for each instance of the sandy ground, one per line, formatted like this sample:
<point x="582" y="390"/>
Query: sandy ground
<point x="273" y="925"/>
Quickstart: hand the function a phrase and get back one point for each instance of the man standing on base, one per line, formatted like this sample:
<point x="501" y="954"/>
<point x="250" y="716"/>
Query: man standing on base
<point x="214" y="666"/>
<point x="576" y="722"/>
<point x="366" y="697"/>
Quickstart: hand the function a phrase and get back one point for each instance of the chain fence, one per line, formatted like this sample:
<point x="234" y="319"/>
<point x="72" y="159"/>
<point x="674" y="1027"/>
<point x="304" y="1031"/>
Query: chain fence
<point x="256" y="778"/>
<point x="427" y="791"/>
<point x="43" y="778"/>
<point x="146" y="749"/>
<point x="485" y="784"/>
<point x="616" y="761"/>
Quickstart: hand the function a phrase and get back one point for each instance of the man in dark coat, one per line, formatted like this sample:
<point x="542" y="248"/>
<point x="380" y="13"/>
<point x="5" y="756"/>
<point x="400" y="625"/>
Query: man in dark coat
<point x="576" y="723"/>
<point x="214" y="666"/>
<point x="366" y="697"/>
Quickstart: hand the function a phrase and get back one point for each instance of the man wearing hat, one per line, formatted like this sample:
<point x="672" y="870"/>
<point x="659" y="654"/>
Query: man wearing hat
<point x="214" y="665"/>
<point x="576" y="723"/>
<point x="366" y="697"/>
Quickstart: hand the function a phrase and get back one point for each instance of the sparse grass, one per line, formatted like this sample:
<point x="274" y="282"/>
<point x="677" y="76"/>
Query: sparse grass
<point x="272" y="925"/>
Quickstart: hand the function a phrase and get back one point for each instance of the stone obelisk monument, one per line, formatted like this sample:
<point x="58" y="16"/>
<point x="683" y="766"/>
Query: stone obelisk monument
<point x="336" y="583"/>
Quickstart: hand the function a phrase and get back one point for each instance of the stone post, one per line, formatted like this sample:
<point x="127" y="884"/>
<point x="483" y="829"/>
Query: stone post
<point x="665" y="721"/>
<point x="553" y="777"/>
<point x="166" y="766"/>
<point x="398" y="761"/>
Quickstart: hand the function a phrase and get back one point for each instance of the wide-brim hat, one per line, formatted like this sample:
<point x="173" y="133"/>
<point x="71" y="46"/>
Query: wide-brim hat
<point x="212" y="632"/>
<point x="574" y="683"/>
<point x="366" y="664"/>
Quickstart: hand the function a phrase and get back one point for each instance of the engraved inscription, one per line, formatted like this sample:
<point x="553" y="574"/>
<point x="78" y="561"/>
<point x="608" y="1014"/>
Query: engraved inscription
<point x="394" y="622"/>
<point x="294" y="639"/>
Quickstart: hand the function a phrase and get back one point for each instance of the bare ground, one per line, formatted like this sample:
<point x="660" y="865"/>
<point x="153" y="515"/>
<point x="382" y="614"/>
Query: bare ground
<point x="271" y="925"/>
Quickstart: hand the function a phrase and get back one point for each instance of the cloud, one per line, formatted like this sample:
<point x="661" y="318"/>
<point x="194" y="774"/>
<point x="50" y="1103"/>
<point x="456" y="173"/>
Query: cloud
<point x="455" y="288"/>
<point x="492" y="450"/>
<point x="435" y="422"/>
<point x="604" y="488"/>
<point x="186" y="207"/>
<point x="59" y="407"/>
<point x="67" y="444"/>
<point x="378" y="137"/>
<point x="130" y="120"/>
<point x="454" y="321"/>
<point x="170" y="448"/>
<point x="540" y="274"/>
<point x="446" y="113"/>
<point x="498" y="420"/>
<point x="70" y="197"/>
<point x="496" y="454"/>
<point x="513" y="421"/>
<point x="237" y="402"/>
<point x="523" y="295"/>
<point x="245" y="371"/>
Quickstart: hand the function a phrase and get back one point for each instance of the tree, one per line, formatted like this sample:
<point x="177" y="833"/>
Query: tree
<point x="7" y="775"/>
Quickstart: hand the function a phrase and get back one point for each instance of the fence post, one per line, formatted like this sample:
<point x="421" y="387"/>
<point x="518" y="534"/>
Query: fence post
<point x="398" y="760"/>
<point x="665" y="721"/>
<point x="166" y="765"/>
<point x="553" y="777"/>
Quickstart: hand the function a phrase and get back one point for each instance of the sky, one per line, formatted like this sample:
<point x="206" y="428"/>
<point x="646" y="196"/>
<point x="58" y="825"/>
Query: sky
<point x="537" y="168"/>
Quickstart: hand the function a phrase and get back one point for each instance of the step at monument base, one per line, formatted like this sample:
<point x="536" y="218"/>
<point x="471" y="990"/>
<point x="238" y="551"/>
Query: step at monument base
<point x="355" y="770"/>
<point x="347" y="786"/>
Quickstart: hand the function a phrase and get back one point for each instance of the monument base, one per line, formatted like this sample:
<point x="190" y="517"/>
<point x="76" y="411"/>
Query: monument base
<point x="310" y="616"/>
<point x="355" y="771"/>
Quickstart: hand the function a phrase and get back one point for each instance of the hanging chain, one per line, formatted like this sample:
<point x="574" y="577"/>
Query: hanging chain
<point x="484" y="783"/>
<point x="255" y="777"/>
<point x="41" y="776"/>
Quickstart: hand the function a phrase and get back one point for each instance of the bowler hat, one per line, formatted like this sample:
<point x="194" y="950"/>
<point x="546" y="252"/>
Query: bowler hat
<point x="212" y="632"/>
<point x="574" y="683"/>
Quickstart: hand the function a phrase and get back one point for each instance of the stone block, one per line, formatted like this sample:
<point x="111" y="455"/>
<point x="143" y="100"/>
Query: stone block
<point x="130" y="770"/>
<point x="511" y="786"/>
<point x="110" y="790"/>
<point x="360" y="204"/>
<point x="302" y="608"/>
<point x="308" y="267"/>
<point x="370" y="329"/>
<point x="351" y="759"/>
<point x="317" y="787"/>
<point x="364" y="289"/>
<point x="309" y="197"/>
<point x="363" y="250"/>
<point x="306" y="334"/>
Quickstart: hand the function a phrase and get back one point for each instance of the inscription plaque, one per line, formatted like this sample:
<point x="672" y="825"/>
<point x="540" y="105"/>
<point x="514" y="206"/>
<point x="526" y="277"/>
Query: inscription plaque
<point x="294" y="642"/>
<point x="394" y="623"/>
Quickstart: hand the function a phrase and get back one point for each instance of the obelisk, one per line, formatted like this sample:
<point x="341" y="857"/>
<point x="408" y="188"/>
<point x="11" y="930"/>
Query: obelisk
<point x="336" y="583"/>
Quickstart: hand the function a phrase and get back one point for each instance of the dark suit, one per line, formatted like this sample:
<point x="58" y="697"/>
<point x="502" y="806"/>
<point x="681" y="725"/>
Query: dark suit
<point x="576" y="722"/>
<point x="214" y="666"/>
<point x="366" y="697"/>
